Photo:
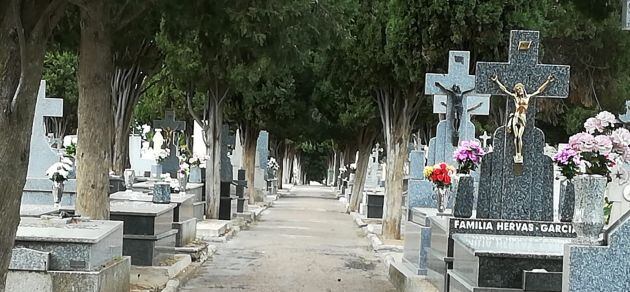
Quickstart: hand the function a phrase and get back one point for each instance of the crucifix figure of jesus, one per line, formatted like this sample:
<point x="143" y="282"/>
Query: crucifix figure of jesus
<point x="457" y="109"/>
<point x="517" y="121"/>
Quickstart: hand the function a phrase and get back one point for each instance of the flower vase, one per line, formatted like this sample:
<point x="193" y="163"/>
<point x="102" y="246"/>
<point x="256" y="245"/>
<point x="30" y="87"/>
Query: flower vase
<point x="442" y="196"/>
<point x="162" y="193"/>
<point x="464" y="196"/>
<point x="195" y="174"/>
<point x="182" y="178"/>
<point x="156" y="171"/>
<point x="57" y="192"/>
<point x="129" y="176"/>
<point x="588" y="214"/>
<point x="567" y="200"/>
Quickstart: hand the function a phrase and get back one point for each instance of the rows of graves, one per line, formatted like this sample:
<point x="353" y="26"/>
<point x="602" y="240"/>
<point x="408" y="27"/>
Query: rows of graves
<point x="155" y="208"/>
<point x="509" y="225"/>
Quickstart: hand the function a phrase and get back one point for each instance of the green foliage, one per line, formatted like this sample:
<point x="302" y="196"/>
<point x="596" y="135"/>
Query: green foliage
<point x="60" y="73"/>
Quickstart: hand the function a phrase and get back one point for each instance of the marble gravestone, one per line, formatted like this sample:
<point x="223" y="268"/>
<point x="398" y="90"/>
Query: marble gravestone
<point x="227" y="204"/>
<point x="372" y="179"/>
<point x="441" y="147"/>
<point x="139" y="162"/>
<point x="505" y="190"/>
<point x="199" y="147"/>
<point x="38" y="188"/>
<point x="599" y="268"/>
<point x="171" y="163"/>
<point x="262" y="154"/>
<point x="420" y="192"/>
<point x="237" y="154"/>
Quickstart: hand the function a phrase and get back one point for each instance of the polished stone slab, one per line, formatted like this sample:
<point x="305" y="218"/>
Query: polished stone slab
<point x="182" y="212"/>
<point x="600" y="268"/>
<point x="27" y="210"/>
<point x="149" y="250"/>
<point x="498" y="261"/>
<point x="143" y="218"/>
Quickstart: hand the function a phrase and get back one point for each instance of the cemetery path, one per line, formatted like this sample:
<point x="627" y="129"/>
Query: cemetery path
<point x="305" y="242"/>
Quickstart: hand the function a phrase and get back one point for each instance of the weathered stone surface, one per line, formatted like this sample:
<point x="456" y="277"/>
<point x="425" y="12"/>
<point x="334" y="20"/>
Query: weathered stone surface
<point x="162" y="193"/>
<point x="262" y="154"/>
<point x="73" y="246"/>
<point x="600" y="268"/>
<point x="29" y="260"/>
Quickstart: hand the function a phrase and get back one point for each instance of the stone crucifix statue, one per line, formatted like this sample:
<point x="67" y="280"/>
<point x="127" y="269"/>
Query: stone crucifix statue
<point x="457" y="110"/>
<point x="518" y="119"/>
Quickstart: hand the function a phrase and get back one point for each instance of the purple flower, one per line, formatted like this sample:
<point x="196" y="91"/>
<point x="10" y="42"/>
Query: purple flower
<point x="468" y="155"/>
<point x="566" y="155"/>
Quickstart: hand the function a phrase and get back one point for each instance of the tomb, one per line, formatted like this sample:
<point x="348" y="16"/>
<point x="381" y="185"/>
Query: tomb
<point x="184" y="220"/>
<point x="147" y="227"/>
<point x="55" y="254"/>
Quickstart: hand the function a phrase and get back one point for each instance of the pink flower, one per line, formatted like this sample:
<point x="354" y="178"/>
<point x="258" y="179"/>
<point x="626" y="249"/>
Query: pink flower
<point x="620" y="138"/>
<point x="582" y="142"/>
<point x="603" y="144"/>
<point x="593" y="125"/>
<point x="607" y="119"/>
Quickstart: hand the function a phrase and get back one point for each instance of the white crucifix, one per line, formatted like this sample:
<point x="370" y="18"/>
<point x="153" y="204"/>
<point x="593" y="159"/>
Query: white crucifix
<point x="42" y="156"/>
<point x="454" y="96"/>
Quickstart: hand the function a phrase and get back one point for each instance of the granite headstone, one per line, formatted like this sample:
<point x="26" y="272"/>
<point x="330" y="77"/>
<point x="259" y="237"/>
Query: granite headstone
<point x="169" y="124"/>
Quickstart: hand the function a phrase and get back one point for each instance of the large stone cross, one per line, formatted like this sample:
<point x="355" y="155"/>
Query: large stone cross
<point x="42" y="156"/>
<point x="456" y="90"/>
<point x="523" y="69"/>
<point x="170" y="125"/>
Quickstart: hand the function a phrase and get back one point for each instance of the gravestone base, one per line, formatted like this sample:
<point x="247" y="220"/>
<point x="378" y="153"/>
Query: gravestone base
<point x="145" y="249"/>
<point x="499" y="261"/>
<point x="186" y="232"/>
<point x="113" y="277"/>
<point x="418" y="239"/>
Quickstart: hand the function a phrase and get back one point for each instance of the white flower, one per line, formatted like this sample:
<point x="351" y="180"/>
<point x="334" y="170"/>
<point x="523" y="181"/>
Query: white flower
<point x="145" y="129"/>
<point x="59" y="171"/>
<point x="621" y="137"/>
<point x="607" y="118"/>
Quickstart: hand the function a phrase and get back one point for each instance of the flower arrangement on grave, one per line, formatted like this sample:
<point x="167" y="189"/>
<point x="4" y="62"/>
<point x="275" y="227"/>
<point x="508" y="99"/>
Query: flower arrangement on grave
<point x="440" y="174"/>
<point x="58" y="173"/>
<point x="184" y="168"/>
<point x="161" y="154"/>
<point x="272" y="164"/>
<point x="195" y="160"/>
<point x="468" y="156"/>
<point x="601" y="146"/>
<point x="353" y="167"/>
<point x="568" y="160"/>
<point x="441" y="177"/>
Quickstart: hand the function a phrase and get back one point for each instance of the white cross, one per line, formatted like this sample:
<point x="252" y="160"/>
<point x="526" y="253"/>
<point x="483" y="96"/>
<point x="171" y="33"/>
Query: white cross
<point x="485" y="137"/>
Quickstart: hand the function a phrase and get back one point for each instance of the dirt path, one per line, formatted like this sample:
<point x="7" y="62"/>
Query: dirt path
<point x="304" y="243"/>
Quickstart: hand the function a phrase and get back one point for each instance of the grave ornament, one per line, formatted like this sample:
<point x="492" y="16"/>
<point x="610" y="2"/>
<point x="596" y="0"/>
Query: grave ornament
<point x="518" y="119"/>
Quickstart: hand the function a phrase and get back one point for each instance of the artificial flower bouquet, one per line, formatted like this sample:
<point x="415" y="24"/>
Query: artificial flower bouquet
<point x="468" y="156"/>
<point x="440" y="175"/>
<point x="272" y="164"/>
<point x="59" y="171"/>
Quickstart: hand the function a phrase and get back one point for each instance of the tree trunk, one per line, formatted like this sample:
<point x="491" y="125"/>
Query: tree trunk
<point x="365" y="141"/>
<point x="250" y="139"/>
<point x="336" y="166"/>
<point x="280" y="151"/>
<point x="397" y="111"/>
<point x="94" y="113"/>
<point x="213" y="164"/>
<point x="21" y="62"/>
<point x="288" y="163"/>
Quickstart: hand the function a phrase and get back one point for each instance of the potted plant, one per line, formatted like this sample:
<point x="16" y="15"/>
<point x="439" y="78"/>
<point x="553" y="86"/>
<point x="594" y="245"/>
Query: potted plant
<point x="600" y="147"/>
<point x="568" y="161"/>
<point x="58" y="173"/>
<point x="468" y="156"/>
<point x="441" y="177"/>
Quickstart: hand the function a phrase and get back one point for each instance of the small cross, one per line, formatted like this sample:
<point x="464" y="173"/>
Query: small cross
<point x="484" y="138"/>
<point x="169" y="122"/>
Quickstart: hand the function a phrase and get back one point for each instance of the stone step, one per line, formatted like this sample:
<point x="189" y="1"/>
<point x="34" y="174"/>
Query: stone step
<point x="211" y="228"/>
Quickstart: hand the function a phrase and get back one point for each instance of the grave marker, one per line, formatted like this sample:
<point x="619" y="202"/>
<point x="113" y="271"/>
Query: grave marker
<point x="453" y="95"/>
<point x="170" y="125"/>
<point x="41" y="154"/>
<point x="522" y="192"/>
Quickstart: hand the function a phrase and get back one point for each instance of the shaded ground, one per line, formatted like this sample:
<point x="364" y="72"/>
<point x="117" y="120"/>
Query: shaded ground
<point x="304" y="243"/>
